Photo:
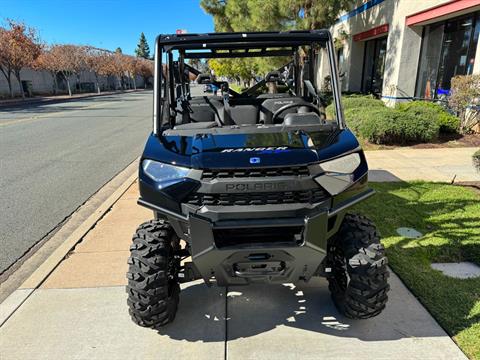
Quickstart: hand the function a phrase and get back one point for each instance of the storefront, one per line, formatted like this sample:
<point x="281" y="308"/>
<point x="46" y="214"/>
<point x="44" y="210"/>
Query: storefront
<point x="448" y="49"/>
<point x="404" y="49"/>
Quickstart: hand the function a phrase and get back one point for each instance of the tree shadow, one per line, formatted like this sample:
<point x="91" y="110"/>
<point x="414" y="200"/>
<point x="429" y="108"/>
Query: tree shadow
<point x="450" y="234"/>
<point x="58" y="105"/>
<point x="306" y="310"/>
<point x="206" y="314"/>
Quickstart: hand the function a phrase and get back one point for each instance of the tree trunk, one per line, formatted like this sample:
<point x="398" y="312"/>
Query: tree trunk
<point x="8" y="76"/>
<point x="134" y="83"/>
<point x="55" y="85"/>
<point x="17" y="75"/>
<point x="68" y="84"/>
<point x="98" y="84"/>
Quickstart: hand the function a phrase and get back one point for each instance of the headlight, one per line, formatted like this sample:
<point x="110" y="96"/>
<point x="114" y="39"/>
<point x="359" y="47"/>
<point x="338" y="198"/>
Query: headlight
<point x="344" y="165"/>
<point x="338" y="173"/>
<point x="164" y="174"/>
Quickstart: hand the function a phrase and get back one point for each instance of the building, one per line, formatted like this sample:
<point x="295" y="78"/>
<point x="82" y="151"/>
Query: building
<point x="42" y="83"/>
<point x="405" y="49"/>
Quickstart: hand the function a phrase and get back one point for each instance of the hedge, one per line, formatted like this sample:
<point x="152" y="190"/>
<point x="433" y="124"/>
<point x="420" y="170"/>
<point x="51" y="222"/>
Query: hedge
<point x="355" y="101"/>
<point x="391" y="126"/>
<point x="447" y="122"/>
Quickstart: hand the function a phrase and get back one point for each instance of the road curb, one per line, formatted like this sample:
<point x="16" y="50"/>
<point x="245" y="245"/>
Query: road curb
<point x="33" y="282"/>
<point x="37" y="278"/>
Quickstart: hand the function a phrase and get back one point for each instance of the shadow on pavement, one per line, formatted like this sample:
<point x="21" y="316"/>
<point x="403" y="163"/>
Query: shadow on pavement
<point x="50" y="105"/>
<point x="256" y="309"/>
<point x="382" y="176"/>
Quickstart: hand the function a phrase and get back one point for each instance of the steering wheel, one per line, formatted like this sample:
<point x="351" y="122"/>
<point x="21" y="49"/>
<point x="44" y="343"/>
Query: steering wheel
<point x="277" y="113"/>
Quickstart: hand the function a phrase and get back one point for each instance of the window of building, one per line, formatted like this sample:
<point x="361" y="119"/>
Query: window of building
<point x="374" y="65"/>
<point x="448" y="49"/>
<point x="341" y="60"/>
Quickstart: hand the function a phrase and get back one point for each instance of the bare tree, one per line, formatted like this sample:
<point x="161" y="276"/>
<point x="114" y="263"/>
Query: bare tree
<point x="132" y="65"/>
<point x="69" y="60"/>
<point x="99" y="62"/>
<point x="118" y="68"/>
<point x="145" y="70"/>
<point x="46" y="62"/>
<point x="19" y="47"/>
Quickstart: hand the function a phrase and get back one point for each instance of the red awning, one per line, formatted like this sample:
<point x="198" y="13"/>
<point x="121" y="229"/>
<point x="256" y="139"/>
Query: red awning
<point x="442" y="10"/>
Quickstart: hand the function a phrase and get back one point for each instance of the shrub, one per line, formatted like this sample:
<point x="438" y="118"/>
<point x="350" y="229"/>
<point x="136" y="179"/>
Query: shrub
<point x="354" y="102"/>
<point x="391" y="126"/>
<point x="447" y="122"/>
<point x="476" y="160"/>
<point x="464" y="100"/>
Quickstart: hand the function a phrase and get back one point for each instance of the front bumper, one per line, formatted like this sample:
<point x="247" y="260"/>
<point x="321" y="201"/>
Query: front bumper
<point x="268" y="261"/>
<point x="272" y="262"/>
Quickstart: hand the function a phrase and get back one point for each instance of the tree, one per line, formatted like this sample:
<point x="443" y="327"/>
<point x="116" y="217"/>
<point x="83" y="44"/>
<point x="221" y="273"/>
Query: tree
<point x="131" y="65"/>
<point x="68" y="60"/>
<point x="249" y="15"/>
<point x="145" y="70"/>
<point x="99" y="62"/>
<point x="143" y="50"/>
<point x="19" y="47"/>
<point x="118" y="67"/>
<point x="46" y="62"/>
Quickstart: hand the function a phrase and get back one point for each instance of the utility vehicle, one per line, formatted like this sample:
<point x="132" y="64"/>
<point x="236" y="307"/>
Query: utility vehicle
<point x="252" y="186"/>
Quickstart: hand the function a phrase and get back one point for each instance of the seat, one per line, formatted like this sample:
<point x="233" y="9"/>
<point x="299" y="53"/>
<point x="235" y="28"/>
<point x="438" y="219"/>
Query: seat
<point x="243" y="114"/>
<point x="241" y="111"/>
<point x="270" y="106"/>
<point x="204" y="109"/>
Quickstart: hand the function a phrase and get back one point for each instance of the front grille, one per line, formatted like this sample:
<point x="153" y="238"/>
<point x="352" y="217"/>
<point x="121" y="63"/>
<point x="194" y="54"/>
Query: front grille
<point x="211" y="174"/>
<point x="252" y="236"/>
<point x="265" y="198"/>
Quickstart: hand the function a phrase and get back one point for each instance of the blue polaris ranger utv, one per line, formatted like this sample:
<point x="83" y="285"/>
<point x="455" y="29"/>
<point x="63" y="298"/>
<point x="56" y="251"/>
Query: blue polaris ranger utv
<point x="252" y="186"/>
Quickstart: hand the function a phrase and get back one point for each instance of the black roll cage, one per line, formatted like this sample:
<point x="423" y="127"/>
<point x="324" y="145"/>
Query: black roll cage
<point x="235" y="45"/>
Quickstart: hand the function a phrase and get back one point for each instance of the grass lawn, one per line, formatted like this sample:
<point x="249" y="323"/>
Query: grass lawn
<point x="449" y="218"/>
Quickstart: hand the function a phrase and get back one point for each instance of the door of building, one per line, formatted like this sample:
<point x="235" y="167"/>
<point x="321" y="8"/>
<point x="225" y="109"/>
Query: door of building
<point x="374" y="65"/>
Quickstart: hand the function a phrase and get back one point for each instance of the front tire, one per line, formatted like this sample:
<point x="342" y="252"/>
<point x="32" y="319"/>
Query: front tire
<point x="358" y="280"/>
<point x="153" y="290"/>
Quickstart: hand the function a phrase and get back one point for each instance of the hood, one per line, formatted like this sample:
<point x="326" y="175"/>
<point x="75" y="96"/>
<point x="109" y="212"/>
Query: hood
<point x="247" y="150"/>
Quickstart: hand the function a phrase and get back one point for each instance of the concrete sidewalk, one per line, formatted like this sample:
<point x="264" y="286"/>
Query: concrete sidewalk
<point x="442" y="165"/>
<point x="80" y="312"/>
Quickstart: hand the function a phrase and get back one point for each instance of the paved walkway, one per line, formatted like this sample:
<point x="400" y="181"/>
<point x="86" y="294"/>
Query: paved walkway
<point x="80" y="312"/>
<point x="422" y="164"/>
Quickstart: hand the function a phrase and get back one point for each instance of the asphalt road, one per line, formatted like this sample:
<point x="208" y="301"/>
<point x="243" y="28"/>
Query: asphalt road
<point x="53" y="157"/>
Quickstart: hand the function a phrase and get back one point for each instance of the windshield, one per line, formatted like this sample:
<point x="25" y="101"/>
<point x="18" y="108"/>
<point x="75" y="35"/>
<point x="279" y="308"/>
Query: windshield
<point x="254" y="84"/>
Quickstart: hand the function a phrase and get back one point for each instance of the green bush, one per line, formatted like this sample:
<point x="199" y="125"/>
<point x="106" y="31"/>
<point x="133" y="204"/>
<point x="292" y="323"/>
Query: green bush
<point x="391" y="126"/>
<point x="354" y="102"/>
<point x="447" y="122"/>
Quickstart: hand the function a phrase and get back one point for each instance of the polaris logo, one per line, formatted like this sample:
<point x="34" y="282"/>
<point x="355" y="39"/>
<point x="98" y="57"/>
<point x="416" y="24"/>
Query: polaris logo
<point x="255" y="187"/>
<point x="269" y="148"/>
<point x="283" y="102"/>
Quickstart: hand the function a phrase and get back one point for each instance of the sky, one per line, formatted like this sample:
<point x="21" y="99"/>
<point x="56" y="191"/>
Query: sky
<point x="106" y="24"/>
